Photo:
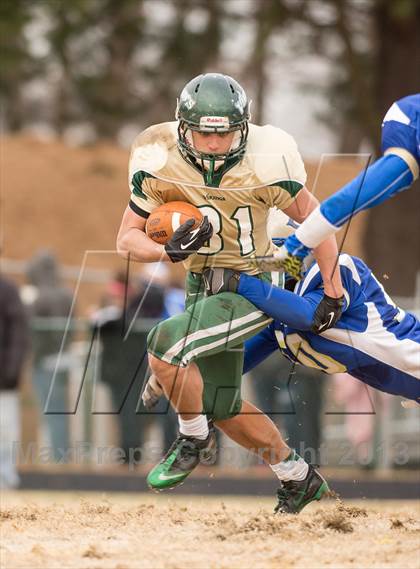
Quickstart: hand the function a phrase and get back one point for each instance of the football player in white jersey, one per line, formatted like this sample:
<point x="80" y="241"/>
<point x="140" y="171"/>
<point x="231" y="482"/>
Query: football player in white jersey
<point x="374" y="340"/>
<point x="234" y="172"/>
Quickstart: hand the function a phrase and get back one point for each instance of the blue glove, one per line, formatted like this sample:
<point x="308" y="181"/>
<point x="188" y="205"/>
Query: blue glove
<point x="291" y="255"/>
<point x="296" y="248"/>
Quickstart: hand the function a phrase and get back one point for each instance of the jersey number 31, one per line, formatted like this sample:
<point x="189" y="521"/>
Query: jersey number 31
<point x="245" y="225"/>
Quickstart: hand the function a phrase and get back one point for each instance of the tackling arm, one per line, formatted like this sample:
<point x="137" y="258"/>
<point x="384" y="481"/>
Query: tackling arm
<point x="326" y="253"/>
<point x="280" y="304"/>
<point x="381" y="181"/>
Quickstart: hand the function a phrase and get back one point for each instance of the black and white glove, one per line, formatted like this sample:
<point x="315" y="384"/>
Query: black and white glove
<point x="185" y="241"/>
<point x="327" y="314"/>
<point x="220" y="280"/>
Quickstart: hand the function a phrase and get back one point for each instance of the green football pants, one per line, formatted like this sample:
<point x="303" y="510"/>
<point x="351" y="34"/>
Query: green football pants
<point x="210" y="332"/>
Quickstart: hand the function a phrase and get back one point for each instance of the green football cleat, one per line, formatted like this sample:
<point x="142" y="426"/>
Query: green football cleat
<point x="294" y="495"/>
<point x="181" y="459"/>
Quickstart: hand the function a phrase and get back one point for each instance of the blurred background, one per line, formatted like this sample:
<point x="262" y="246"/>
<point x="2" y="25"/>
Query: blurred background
<point x="79" y="80"/>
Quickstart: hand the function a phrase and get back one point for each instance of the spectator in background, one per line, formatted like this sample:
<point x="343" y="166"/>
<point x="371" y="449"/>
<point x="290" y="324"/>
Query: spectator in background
<point x="124" y="361"/>
<point x="151" y="289"/>
<point x="156" y="278"/>
<point x="49" y="303"/>
<point x="13" y="349"/>
<point x="304" y="424"/>
<point x="174" y="297"/>
<point x="123" y="364"/>
<point x="360" y="403"/>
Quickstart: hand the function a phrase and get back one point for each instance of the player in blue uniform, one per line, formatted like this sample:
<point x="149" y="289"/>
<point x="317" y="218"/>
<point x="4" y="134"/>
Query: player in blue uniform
<point x="375" y="341"/>
<point x="394" y="172"/>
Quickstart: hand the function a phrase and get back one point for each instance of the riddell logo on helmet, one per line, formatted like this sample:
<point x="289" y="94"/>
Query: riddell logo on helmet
<point x="212" y="122"/>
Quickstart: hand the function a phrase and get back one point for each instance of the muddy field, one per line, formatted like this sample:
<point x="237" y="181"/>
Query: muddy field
<point x="144" y="531"/>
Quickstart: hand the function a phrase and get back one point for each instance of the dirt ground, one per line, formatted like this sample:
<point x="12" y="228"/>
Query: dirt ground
<point x="143" y="531"/>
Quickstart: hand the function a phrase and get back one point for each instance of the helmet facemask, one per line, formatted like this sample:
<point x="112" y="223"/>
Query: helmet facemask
<point x="212" y="103"/>
<point x="212" y="162"/>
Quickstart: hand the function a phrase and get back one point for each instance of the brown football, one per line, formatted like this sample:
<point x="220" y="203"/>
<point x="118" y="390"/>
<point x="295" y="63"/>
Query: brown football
<point x="166" y="219"/>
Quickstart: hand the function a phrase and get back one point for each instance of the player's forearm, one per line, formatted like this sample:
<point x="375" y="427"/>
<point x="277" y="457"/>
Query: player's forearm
<point x="137" y="246"/>
<point x="326" y="255"/>
<point x="381" y="181"/>
<point x="276" y="302"/>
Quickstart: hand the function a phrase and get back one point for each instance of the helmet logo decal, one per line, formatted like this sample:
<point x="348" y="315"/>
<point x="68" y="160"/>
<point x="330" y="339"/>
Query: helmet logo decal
<point x="187" y="100"/>
<point x="240" y="103"/>
<point x="214" y="122"/>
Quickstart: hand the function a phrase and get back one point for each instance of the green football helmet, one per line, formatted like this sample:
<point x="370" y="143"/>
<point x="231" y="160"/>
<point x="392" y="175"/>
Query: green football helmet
<point x="212" y="103"/>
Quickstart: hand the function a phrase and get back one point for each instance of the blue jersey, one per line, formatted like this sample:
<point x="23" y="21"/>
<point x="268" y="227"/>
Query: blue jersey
<point x="401" y="126"/>
<point x="390" y="174"/>
<point x="374" y="340"/>
<point x="382" y="180"/>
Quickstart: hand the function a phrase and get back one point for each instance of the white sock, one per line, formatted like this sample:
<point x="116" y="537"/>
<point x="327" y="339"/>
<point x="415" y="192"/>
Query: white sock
<point x="293" y="468"/>
<point x="197" y="427"/>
